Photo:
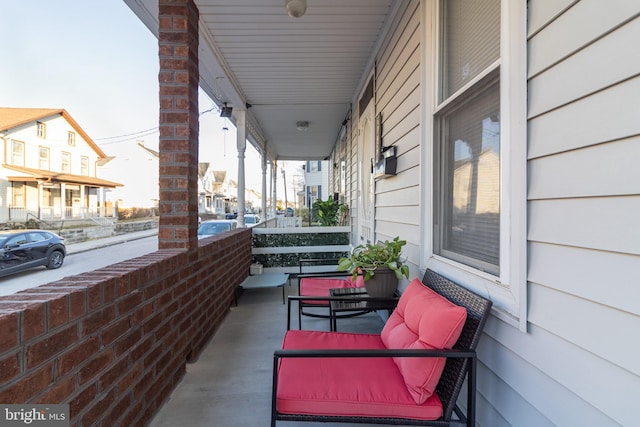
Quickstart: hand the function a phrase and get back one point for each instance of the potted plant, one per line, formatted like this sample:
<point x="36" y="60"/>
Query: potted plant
<point x="380" y="265"/>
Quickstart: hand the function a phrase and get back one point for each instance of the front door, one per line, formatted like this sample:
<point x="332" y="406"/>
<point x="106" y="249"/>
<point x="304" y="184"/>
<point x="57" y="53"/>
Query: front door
<point x="366" y="194"/>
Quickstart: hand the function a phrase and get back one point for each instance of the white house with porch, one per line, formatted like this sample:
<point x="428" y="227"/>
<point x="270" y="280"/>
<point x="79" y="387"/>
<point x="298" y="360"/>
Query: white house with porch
<point x="49" y="168"/>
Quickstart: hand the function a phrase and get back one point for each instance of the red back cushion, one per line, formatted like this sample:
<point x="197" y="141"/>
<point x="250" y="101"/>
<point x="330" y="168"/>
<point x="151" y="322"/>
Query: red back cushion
<point x="422" y="320"/>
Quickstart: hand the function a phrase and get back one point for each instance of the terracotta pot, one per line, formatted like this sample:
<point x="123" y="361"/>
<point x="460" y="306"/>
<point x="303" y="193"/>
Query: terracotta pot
<point x="383" y="284"/>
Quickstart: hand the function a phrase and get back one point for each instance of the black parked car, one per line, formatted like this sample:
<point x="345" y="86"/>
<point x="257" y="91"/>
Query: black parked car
<point x="21" y="250"/>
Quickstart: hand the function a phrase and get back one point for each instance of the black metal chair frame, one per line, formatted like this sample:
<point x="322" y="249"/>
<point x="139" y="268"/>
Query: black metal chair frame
<point x="320" y="302"/>
<point x="461" y="364"/>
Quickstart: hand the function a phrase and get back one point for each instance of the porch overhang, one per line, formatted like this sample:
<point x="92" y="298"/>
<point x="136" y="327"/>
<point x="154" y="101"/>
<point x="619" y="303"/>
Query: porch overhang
<point x="40" y="175"/>
<point x="253" y="57"/>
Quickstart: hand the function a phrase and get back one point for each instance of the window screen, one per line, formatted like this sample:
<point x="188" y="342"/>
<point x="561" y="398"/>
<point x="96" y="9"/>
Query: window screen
<point x="471" y="41"/>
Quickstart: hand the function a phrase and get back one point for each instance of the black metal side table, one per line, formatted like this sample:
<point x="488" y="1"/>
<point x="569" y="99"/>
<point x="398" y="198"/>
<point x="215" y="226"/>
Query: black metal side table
<point x="356" y="302"/>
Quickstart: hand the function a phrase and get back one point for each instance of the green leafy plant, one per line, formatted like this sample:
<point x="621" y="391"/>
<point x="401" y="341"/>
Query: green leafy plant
<point x="326" y="212"/>
<point x="367" y="258"/>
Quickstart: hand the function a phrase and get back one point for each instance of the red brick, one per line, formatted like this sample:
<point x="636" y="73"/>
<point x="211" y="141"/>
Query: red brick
<point x="59" y="392"/>
<point x="9" y="368"/>
<point x="143" y="384"/>
<point x="165" y="23"/>
<point x="119" y="408"/>
<point x="98" y="320"/>
<point x="83" y="398"/>
<point x="132" y="417"/>
<point x="33" y="321"/>
<point x="142" y="313"/>
<point x="94" y="297"/>
<point x="130" y="377"/>
<point x="125" y="343"/>
<point x="173" y="37"/>
<point x="77" y="304"/>
<point x="142" y="348"/>
<point x="115" y="330"/>
<point x="98" y="408"/>
<point x="93" y="368"/>
<point x="111" y="376"/>
<point x="49" y="347"/>
<point x="58" y="311"/>
<point x="76" y="355"/>
<point x="28" y="387"/>
<point x="8" y="331"/>
<point x="129" y="302"/>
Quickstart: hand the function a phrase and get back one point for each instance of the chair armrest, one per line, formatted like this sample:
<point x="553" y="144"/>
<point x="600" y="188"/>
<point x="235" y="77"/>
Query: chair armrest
<point x="322" y="275"/>
<point x="325" y="353"/>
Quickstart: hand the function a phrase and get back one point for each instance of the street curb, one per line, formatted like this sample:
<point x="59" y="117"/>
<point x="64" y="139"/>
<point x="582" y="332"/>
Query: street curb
<point x="101" y="243"/>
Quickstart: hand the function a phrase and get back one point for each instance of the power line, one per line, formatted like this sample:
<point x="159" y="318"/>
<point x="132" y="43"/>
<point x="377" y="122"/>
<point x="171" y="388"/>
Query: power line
<point x="142" y="133"/>
<point x="128" y="134"/>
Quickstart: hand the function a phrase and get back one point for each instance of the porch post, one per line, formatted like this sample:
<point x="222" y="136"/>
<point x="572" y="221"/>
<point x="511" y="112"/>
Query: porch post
<point x="83" y="208"/>
<point x="63" y="200"/>
<point x="241" y="144"/>
<point x="264" y="186"/>
<point x="40" y="199"/>
<point x="274" y="171"/>
<point x="178" y="166"/>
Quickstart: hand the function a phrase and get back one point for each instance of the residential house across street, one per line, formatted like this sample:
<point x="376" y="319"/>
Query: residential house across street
<point x="50" y="168"/>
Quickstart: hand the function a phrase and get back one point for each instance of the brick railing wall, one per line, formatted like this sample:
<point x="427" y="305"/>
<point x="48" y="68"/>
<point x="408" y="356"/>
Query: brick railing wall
<point x="114" y="342"/>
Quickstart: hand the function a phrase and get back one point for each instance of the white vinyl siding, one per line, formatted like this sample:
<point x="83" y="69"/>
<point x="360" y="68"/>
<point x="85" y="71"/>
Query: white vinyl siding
<point x="398" y="95"/>
<point x="583" y="240"/>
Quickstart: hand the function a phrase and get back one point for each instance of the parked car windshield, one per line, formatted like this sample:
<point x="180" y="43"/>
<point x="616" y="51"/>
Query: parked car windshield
<point x="209" y="228"/>
<point x="249" y="219"/>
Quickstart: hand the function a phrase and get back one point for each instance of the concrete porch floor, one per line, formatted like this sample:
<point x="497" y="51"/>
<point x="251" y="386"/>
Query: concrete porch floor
<point x="230" y="383"/>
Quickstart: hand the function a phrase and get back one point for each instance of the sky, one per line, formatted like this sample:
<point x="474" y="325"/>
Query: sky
<point x="96" y="60"/>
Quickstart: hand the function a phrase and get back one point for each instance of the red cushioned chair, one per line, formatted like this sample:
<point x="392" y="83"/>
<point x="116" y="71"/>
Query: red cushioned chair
<point x="317" y="286"/>
<point x="410" y="374"/>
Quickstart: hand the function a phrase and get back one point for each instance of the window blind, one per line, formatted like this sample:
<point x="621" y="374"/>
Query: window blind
<point x="471" y="41"/>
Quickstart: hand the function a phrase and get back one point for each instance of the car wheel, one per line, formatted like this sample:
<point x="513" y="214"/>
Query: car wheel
<point x="55" y="260"/>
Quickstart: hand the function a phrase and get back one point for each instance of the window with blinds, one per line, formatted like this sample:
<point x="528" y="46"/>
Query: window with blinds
<point x="467" y="197"/>
<point x="470" y="41"/>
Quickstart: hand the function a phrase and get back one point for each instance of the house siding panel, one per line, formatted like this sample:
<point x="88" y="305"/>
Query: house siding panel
<point x="608" y="224"/>
<point x="593" y="65"/>
<point x="571" y="276"/>
<point x="575" y="29"/>
<point x="589" y="174"/>
<point x="587" y="121"/>
<point x="398" y="98"/>
<point x="584" y="250"/>
<point x="542" y="12"/>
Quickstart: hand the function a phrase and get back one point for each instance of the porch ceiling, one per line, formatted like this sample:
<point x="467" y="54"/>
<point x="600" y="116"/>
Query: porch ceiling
<point x="289" y="70"/>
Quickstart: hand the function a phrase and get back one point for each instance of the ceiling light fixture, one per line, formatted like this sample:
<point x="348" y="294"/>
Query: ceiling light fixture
<point x="302" y="126"/>
<point x="296" y="8"/>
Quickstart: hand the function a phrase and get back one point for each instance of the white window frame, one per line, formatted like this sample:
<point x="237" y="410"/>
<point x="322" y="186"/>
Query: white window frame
<point x="44" y="161"/>
<point x="84" y="165"/>
<point x="71" y="138"/>
<point x="18" y="156"/>
<point x="41" y="130"/>
<point x="508" y="290"/>
<point x="65" y="155"/>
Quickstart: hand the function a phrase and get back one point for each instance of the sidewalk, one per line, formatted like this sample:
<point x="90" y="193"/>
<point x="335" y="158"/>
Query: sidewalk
<point x="75" y="248"/>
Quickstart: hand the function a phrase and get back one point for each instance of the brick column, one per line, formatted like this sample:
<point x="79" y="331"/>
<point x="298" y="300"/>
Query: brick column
<point x="178" y="78"/>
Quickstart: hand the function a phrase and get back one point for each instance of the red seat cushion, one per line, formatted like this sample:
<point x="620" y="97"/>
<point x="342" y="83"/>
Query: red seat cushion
<point x="319" y="287"/>
<point x="422" y="320"/>
<point x="369" y="387"/>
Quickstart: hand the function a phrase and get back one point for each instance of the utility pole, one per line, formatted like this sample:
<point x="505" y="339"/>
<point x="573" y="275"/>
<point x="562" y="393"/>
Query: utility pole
<point x="286" y="202"/>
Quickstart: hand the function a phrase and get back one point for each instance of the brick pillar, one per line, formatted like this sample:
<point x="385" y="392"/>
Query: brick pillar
<point x="178" y="78"/>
